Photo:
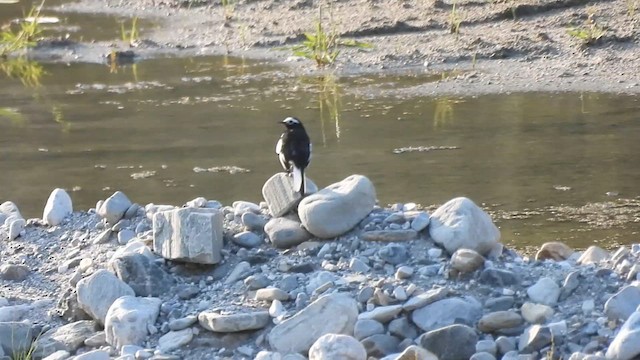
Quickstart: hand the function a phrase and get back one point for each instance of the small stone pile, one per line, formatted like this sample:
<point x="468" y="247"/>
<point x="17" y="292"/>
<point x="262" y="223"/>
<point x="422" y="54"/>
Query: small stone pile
<point x="328" y="276"/>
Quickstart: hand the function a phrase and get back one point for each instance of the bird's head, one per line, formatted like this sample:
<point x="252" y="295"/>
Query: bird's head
<point x="291" y="123"/>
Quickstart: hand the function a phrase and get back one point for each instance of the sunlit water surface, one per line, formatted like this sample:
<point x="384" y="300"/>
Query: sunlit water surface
<point x="159" y="131"/>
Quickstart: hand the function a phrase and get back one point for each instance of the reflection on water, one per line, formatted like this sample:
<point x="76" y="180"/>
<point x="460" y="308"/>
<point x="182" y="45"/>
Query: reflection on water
<point x="168" y="130"/>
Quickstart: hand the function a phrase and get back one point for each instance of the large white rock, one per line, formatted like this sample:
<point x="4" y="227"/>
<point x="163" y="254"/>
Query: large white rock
<point x="10" y="210"/>
<point x="57" y="208"/>
<point x="129" y="319"/>
<point x="624" y="303"/>
<point x="330" y="314"/>
<point x="189" y="234"/>
<point x="114" y="207"/>
<point x="337" y="208"/>
<point x="626" y="345"/>
<point x="337" y="346"/>
<point x="97" y="292"/>
<point x="460" y="223"/>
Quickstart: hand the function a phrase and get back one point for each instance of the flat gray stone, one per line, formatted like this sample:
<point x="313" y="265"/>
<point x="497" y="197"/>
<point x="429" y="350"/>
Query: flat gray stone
<point x="426" y="298"/>
<point x="295" y="333"/>
<point x="69" y="337"/>
<point x="389" y="235"/>
<point x="174" y="340"/>
<point x="233" y="322"/>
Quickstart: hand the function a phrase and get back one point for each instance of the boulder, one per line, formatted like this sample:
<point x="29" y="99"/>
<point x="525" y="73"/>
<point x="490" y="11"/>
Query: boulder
<point x="97" y="292"/>
<point x="460" y="223"/>
<point x="57" y="208"/>
<point x="337" y="208"/>
<point x="129" y="319"/>
<point x="145" y="277"/>
<point x="189" y="234"/>
<point x="285" y="233"/>
<point x="448" y="311"/>
<point x="330" y="314"/>
<point x="114" y="207"/>
<point x="453" y="342"/>
<point x="337" y="346"/>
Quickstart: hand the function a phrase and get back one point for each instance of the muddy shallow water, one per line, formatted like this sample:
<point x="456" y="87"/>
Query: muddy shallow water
<point x="168" y="130"/>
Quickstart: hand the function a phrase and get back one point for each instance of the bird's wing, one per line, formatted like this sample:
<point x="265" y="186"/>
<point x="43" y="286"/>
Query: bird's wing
<point x="279" y="146"/>
<point x="310" y="152"/>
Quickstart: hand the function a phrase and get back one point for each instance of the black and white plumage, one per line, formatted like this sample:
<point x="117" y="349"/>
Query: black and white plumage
<point x="294" y="151"/>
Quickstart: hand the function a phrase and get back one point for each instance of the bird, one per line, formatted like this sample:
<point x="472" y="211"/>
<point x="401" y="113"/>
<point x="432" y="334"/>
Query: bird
<point x="294" y="151"/>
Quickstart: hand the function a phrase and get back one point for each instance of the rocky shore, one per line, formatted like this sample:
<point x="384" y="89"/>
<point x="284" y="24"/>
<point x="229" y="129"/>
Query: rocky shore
<point x="330" y="276"/>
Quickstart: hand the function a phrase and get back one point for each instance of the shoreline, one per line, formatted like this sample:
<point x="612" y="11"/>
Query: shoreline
<point x="235" y="280"/>
<point x="494" y="55"/>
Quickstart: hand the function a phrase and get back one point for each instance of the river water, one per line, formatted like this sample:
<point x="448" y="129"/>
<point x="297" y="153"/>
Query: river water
<point x="168" y="130"/>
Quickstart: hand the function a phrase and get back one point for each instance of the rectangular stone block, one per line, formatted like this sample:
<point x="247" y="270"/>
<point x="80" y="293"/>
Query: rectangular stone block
<point x="189" y="234"/>
<point x="279" y="194"/>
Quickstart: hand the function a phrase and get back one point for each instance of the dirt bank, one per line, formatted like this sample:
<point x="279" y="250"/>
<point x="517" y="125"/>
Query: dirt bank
<point x="504" y="46"/>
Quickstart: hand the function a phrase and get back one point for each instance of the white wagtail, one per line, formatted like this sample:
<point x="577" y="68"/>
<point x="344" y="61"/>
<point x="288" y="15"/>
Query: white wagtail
<point x="294" y="151"/>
